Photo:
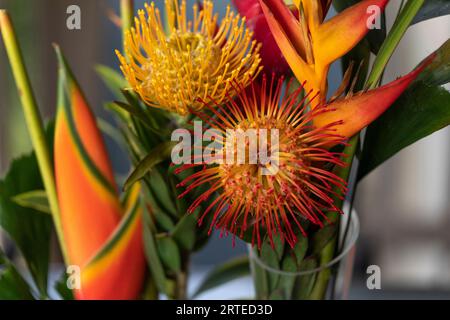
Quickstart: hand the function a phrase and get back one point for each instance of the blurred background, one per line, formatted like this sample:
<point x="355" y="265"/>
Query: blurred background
<point x="404" y="206"/>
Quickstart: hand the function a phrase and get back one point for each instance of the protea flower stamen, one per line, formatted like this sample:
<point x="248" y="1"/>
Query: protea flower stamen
<point x="193" y="59"/>
<point x="302" y="187"/>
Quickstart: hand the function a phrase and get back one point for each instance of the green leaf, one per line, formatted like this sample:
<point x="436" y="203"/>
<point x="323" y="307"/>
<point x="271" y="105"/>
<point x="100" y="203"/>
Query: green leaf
<point x="36" y="200"/>
<point x="300" y="249"/>
<point x="305" y="283"/>
<point x="231" y="270"/>
<point x="260" y="281"/>
<point x="269" y="257"/>
<point x="438" y="72"/>
<point x="185" y="231"/>
<point x="276" y="295"/>
<point x="135" y="112"/>
<point x="432" y="9"/>
<point x="120" y="113"/>
<point x="162" y="219"/>
<point x="180" y="203"/>
<point x="158" y="120"/>
<point x="160" y="189"/>
<point x="29" y="228"/>
<point x="419" y="112"/>
<point x="322" y="237"/>
<point x="61" y="287"/>
<point x="112" y="79"/>
<point x="156" y="156"/>
<point x="112" y="132"/>
<point x="169" y="253"/>
<point x="278" y="246"/>
<point x="12" y="284"/>
<point x="287" y="283"/>
<point x="151" y="253"/>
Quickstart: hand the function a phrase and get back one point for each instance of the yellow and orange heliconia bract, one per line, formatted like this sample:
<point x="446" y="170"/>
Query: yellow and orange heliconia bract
<point x="311" y="44"/>
<point x="103" y="238"/>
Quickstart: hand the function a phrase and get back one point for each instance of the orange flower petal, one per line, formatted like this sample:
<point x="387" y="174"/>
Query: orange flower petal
<point x="360" y="110"/>
<point x="313" y="12"/>
<point x="308" y="5"/>
<point x="337" y="36"/>
<point x="287" y="22"/>
<point x="90" y="208"/>
<point x="302" y="71"/>
<point x="118" y="269"/>
<point x="108" y="250"/>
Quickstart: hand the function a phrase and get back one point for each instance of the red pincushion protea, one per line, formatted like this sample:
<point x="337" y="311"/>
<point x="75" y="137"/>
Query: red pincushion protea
<point x="240" y="197"/>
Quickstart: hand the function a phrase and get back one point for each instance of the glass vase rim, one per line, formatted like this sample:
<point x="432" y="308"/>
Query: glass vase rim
<point x="352" y="237"/>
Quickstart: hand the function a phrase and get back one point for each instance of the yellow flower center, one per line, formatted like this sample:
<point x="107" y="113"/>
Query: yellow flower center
<point x="195" y="60"/>
<point x="245" y="182"/>
<point x="190" y="58"/>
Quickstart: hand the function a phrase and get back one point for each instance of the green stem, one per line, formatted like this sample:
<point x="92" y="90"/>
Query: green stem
<point x="33" y="119"/>
<point x="327" y="254"/>
<point x="181" y="286"/>
<point x="399" y="28"/>
<point x="126" y="15"/>
<point x="320" y="287"/>
<point x="181" y="281"/>
<point x="391" y="42"/>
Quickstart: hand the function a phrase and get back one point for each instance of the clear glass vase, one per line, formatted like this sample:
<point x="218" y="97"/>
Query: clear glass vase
<point x="312" y="278"/>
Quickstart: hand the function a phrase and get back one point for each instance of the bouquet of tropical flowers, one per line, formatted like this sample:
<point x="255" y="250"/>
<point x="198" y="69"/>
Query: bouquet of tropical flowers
<point x="229" y="125"/>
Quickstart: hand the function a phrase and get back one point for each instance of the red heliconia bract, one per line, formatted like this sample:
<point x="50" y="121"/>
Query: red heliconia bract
<point x="271" y="56"/>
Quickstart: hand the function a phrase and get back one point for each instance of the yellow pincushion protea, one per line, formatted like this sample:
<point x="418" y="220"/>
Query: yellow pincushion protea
<point x="198" y="59"/>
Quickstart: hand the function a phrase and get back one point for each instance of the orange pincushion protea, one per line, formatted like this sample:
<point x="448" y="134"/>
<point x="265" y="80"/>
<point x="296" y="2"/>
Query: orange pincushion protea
<point x="301" y="187"/>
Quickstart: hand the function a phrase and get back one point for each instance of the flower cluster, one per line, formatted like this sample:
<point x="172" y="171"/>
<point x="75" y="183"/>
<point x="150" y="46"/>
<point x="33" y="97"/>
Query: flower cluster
<point x="209" y="70"/>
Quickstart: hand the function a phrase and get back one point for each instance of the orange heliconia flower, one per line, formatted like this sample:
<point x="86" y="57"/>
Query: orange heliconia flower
<point x="310" y="44"/>
<point x="102" y="237"/>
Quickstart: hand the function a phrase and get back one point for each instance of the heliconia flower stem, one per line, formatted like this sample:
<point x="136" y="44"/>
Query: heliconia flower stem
<point x="392" y="40"/>
<point x="328" y="253"/>
<point x="126" y="15"/>
<point x="387" y="49"/>
<point x="344" y="171"/>
<point x="33" y="119"/>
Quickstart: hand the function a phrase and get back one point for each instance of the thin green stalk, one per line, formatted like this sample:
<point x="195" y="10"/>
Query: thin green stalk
<point x="391" y="42"/>
<point x="126" y="15"/>
<point x="33" y="119"/>
<point x="328" y="253"/>
<point x="401" y="24"/>
<point x="320" y="287"/>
